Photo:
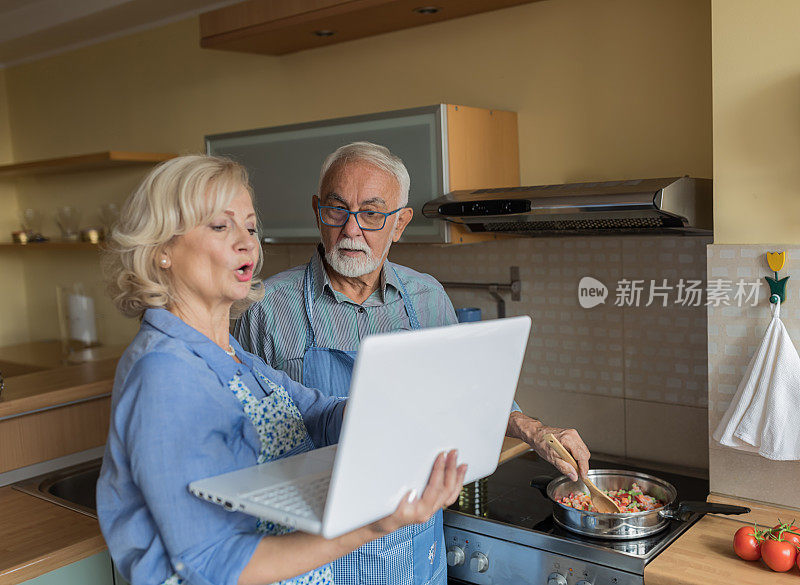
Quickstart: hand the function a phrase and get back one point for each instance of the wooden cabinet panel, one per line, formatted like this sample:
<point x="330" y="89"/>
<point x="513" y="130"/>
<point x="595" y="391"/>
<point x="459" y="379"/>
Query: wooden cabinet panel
<point x="482" y="147"/>
<point x="277" y="27"/>
<point x="482" y="152"/>
<point x="48" y="434"/>
<point x="281" y="12"/>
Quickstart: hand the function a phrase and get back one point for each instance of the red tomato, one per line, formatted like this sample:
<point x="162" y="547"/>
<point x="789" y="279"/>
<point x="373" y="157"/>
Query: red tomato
<point x="779" y="555"/>
<point x="745" y="544"/>
<point x="788" y="536"/>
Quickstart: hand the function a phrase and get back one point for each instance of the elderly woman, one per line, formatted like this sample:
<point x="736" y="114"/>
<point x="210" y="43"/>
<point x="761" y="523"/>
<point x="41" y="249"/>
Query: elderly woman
<point x="189" y="403"/>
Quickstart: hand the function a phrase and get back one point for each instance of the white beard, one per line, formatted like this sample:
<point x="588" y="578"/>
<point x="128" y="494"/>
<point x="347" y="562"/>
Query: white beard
<point x="353" y="267"/>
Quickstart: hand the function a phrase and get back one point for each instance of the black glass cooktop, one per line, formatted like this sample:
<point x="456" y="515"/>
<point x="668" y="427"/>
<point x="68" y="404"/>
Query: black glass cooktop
<point x="510" y="499"/>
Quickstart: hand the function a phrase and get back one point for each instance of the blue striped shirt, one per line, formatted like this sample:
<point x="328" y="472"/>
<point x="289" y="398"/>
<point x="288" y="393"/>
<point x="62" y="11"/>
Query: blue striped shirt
<point x="276" y="327"/>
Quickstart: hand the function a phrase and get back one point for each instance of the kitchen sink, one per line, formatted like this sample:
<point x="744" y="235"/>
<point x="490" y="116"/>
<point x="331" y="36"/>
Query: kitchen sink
<point x="72" y="487"/>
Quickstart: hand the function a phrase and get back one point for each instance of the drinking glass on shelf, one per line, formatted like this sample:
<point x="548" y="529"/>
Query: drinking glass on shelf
<point x="77" y="319"/>
<point x="31" y="221"/>
<point x="68" y="219"/>
<point x="109" y="215"/>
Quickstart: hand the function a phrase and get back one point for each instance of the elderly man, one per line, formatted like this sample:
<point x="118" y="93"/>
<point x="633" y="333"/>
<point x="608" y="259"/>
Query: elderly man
<point x="313" y="317"/>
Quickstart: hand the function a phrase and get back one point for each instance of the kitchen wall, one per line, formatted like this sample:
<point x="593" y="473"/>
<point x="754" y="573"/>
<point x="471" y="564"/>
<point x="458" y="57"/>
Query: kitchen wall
<point x="5" y="131"/>
<point x="756" y="56"/>
<point x="756" y="116"/>
<point x="598" y="98"/>
<point x="604" y="90"/>
<point x="13" y="308"/>
<point x="632" y="378"/>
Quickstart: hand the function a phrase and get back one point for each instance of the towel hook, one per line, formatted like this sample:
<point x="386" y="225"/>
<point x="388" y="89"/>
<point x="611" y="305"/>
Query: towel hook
<point x="777" y="287"/>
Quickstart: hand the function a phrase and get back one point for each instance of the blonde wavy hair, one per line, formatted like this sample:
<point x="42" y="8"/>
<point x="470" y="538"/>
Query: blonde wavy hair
<point x="176" y="197"/>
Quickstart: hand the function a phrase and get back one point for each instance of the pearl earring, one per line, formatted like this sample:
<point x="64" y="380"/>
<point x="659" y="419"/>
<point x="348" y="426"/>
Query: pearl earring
<point x="164" y="262"/>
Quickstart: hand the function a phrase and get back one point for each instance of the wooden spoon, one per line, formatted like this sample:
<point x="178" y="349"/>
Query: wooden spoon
<point x="601" y="501"/>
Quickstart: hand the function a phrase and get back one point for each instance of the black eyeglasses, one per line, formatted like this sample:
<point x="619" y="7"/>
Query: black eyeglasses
<point x="371" y="221"/>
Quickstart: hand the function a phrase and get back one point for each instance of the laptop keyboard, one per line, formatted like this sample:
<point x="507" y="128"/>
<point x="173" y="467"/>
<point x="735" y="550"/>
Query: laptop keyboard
<point x="306" y="499"/>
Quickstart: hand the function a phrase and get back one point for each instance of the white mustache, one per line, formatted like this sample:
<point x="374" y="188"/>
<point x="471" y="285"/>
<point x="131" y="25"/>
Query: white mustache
<point x="352" y="244"/>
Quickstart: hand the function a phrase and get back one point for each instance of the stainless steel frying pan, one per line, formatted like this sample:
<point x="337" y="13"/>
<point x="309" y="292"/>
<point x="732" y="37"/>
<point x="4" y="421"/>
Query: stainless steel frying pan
<point x="626" y="525"/>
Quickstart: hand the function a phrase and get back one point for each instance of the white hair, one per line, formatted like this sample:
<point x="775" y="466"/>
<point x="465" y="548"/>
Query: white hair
<point x="373" y="154"/>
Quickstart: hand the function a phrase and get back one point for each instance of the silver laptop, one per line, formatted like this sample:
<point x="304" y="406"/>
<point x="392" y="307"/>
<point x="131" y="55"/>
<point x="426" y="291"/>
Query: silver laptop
<point x="413" y="395"/>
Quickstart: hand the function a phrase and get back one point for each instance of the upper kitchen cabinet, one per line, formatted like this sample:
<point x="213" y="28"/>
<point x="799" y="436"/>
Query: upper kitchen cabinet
<point x="277" y="27"/>
<point x="445" y="148"/>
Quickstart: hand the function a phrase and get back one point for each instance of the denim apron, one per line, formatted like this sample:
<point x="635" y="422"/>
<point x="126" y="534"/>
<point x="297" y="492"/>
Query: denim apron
<point x="412" y="555"/>
<point x="282" y="433"/>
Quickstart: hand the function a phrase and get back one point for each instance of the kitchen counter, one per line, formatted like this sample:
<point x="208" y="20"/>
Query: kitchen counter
<point x="704" y="554"/>
<point x="24" y="358"/>
<point x="56" y="387"/>
<point x="37" y="536"/>
<point x="54" y="412"/>
<point x="512" y="448"/>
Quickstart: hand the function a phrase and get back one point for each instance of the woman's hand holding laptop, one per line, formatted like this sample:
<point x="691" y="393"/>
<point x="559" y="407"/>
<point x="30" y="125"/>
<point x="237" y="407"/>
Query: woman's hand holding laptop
<point x="270" y="561"/>
<point x="443" y="488"/>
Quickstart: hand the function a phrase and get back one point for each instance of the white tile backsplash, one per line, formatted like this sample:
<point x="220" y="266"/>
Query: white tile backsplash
<point x="604" y="355"/>
<point x="668" y="433"/>
<point x="600" y="358"/>
<point x="599" y="419"/>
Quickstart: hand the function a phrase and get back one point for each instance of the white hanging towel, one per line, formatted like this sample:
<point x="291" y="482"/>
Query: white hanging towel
<point x="764" y="416"/>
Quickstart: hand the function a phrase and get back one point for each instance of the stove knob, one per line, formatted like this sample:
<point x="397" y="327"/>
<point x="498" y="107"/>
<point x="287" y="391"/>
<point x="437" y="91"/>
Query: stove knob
<point x="556" y="579"/>
<point x="479" y="563"/>
<point x="455" y="556"/>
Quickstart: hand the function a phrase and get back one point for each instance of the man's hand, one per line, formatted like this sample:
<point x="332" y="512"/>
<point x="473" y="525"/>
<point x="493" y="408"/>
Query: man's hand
<point x="533" y="431"/>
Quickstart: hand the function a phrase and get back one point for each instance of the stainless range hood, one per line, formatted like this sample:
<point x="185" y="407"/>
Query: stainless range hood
<point x="675" y="205"/>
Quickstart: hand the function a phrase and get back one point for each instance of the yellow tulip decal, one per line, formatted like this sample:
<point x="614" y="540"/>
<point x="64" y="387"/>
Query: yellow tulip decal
<point x="776" y="260"/>
<point x="777" y="288"/>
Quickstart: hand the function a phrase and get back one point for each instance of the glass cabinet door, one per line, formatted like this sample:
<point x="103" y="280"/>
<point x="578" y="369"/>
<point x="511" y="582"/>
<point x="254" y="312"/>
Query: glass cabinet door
<point x="284" y="164"/>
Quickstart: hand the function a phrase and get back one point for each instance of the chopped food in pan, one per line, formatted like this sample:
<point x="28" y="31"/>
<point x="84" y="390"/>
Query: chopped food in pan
<point x="630" y="500"/>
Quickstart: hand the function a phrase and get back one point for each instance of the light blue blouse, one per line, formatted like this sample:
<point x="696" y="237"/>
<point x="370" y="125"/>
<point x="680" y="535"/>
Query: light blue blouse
<point x="173" y="421"/>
